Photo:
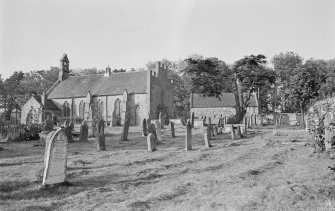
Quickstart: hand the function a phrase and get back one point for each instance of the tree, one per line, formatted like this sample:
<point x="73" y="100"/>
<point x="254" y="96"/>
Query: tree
<point x="302" y="88"/>
<point x="211" y="77"/>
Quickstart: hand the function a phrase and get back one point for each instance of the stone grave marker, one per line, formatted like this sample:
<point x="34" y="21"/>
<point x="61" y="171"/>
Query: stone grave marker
<point x="245" y="123"/>
<point x="188" y="136"/>
<point x="207" y="139"/>
<point x="152" y="129"/>
<point x="68" y="133"/>
<point x="151" y="142"/>
<point x="144" y="127"/>
<point x="158" y="131"/>
<point x="172" y="130"/>
<point x="83" y="131"/>
<point x="48" y="124"/>
<point x="101" y="145"/>
<point x="47" y="142"/>
<point x="72" y="125"/>
<point x="148" y="124"/>
<point x="215" y="130"/>
<point x="55" y="158"/>
<point x="125" y="130"/>
<point x="161" y="120"/>
<point x="232" y="132"/>
<point x="66" y="123"/>
<point x="192" y="119"/>
<point x="209" y="132"/>
<point x="204" y="121"/>
<point x="239" y="132"/>
<point x="220" y="130"/>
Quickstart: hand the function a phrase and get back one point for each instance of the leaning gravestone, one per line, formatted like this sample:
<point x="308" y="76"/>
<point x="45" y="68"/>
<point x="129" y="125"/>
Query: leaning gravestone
<point x="47" y="142"/>
<point x="188" y="136"/>
<point x="245" y="123"/>
<point x="151" y="142"/>
<point x="55" y="158"/>
<point x="125" y="130"/>
<point x="144" y="127"/>
<point x="158" y="131"/>
<point x="83" y="131"/>
<point x="101" y="145"/>
<point x="172" y="129"/>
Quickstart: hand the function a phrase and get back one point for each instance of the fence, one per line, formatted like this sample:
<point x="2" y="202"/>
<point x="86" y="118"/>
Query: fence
<point x="10" y="130"/>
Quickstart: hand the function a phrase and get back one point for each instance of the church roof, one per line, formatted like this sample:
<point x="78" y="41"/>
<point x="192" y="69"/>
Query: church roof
<point x="115" y="84"/>
<point x="227" y="100"/>
<point x="49" y="104"/>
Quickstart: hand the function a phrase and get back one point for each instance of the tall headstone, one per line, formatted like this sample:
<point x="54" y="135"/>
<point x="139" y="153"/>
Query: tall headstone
<point x="239" y="132"/>
<point x="207" y="139"/>
<point x="172" y="130"/>
<point x="152" y="129"/>
<point x="215" y="130"/>
<point x="158" y="131"/>
<point x="101" y="145"/>
<point x="124" y="107"/>
<point x="245" y="123"/>
<point x="209" y="121"/>
<point x="148" y="124"/>
<point x="232" y="132"/>
<point x="55" y="158"/>
<point x="144" y="127"/>
<point x="192" y="119"/>
<point x="125" y="130"/>
<point x="83" y="131"/>
<point x="161" y="119"/>
<point x="151" y="142"/>
<point x="188" y="136"/>
<point x="204" y="121"/>
<point x="209" y="132"/>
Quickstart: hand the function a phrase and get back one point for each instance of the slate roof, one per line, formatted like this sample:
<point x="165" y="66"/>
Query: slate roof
<point x="78" y="86"/>
<point x="227" y="100"/>
<point x="49" y="104"/>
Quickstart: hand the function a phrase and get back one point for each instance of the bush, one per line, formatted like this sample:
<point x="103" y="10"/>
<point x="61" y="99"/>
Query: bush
<point x="31" y="132"/>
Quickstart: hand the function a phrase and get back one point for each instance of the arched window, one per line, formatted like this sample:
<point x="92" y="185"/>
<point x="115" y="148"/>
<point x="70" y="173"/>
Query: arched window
<point x="117" y="107"/>
<point x="82" y="109"/>
<point x="66" y="109"/>
<point x="74" y="109"/>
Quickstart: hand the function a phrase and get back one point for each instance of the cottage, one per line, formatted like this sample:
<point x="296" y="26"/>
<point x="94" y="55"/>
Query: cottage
<point x="110" y="96"/>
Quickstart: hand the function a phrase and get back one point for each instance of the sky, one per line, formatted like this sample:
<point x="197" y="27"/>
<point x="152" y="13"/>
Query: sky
<point x="127" y="34"/>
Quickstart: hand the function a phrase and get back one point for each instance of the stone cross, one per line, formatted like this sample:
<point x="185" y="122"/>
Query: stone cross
<point x="125" y="130"/>
<point x="55" y="158"/>
<point x="188" y="136"/>
<point x="172" y="129"/>
<point x="83" y="131"/>
<point x="161" y="119"/>
<point x="101" y="145"/>
<point x="144" y="127"/>
<point x="151" y="142"/>
<point x="158" y="131"/>
<point x="232" y="132"/>
<point x="192" y="119"/>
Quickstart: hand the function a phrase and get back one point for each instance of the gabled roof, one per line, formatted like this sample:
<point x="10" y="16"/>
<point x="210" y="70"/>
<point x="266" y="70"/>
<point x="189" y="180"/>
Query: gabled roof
<point x="115" y="84"/>
<point x="227" y="100"/>
<point x="49" y="104"/>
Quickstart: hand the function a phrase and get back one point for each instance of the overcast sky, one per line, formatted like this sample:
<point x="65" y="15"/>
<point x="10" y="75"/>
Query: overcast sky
<point x="128" y="33"/>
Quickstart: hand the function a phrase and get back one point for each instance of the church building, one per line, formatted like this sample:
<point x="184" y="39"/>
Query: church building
<point x="110" y="96"/>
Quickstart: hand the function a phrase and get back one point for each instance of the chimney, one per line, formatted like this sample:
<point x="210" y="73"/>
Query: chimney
<point x="64" y="71"/>
<point x="108" y="72"/>
<point x="43" y="98"/>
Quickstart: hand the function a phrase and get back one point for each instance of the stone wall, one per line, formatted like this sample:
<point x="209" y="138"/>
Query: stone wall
<point x="215" y="113"/>
<point x="318" y="111"/>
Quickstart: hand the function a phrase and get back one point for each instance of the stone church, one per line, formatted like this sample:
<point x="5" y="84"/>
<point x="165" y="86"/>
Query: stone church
<point x="111" y="96"/>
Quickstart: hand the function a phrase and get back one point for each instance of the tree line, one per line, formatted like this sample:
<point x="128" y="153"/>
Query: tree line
<point x="286" y="83"/>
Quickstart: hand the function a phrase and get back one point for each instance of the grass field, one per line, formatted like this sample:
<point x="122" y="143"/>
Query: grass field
<point x="263" y="171"/>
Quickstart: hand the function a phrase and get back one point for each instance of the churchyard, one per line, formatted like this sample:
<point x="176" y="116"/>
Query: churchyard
<point x="265" y="168"/>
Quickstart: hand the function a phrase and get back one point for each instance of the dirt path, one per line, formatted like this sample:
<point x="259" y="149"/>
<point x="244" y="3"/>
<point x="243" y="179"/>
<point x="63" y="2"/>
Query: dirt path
<point x="260" y="172"/>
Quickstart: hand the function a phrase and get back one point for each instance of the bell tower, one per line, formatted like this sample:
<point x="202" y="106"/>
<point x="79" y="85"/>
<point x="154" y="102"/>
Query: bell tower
<point x="64" y="71"/>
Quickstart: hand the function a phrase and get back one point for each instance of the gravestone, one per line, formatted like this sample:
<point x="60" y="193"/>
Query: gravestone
<point x="124" y="107"/>
<point x="66" y="123"/>
<point x="220" y="130"/>
<point x="47" y="142"/>
<point x="172" y="129"/>
<point x="144" y="127"/>
<point x="192" y="119"/>
<point x="232" y="132"/>
<point x="239" y="132"/>
<point x="209" y="132"/>
<point x="328" y="133"/>
<point x="68" y="133"/>
<point x="245" y="123"/>
<point x="158" y="131"/>
<point x="152" y="130"/>
<point x="207" y="140"/>
<point x="48" y="124"/>
<point x="204" y="121"/>
<point x="161" y="120"/>
<point x="151" y="142"/>
<point x="55" y="158"/>
<point x="209" y="121"/>
<point x="215" y="130"/>
<point x="188" y="136"/>
<point x="212" y="130"/>
<point x="83" y="131"/>
<point x="125" y="130"/>
<point x="148" y="124"/>
<point x="101" y="145"/>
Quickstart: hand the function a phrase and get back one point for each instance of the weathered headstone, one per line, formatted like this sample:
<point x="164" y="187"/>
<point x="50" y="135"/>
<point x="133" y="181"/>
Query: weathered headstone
<point x="72" y="125"/>
<point x="172" y="130"/>
<point x="245" y="123"/>
<point x="161" y="119"/>
<point x="125" y="130"/>
<point x="220" y="130"/>
<point x="48" y="124"/>
<point x="207" y="140"/>
<point x="101" y="145"/>
<point x="192" y="119"/>
<point x="55" y="158"/>
<point x="47" y="142"/>
<point x="152" y="129"/>
<point x="209" y="132"/>
<point x="239" y="132"/>
<point x="204" y="121"/>
<point x="232" y="132"/>
<point x="215" y="130"/>
<point x="158" y="131"/>
<point x="188" y="136"/>
<point x="144" y="127"/>
<point x="124" y="107"/>
<point x="148" y="124"/>
<point x="209" y="121"/>
<point x="68" y="133"/>
<point x="151" y="142"/>
<point x="83" y="131"/>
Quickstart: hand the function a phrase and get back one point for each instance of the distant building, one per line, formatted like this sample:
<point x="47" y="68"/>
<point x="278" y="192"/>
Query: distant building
<point x="109" y="95"/>
<point x="214" y="108"/>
